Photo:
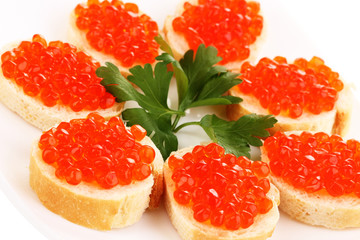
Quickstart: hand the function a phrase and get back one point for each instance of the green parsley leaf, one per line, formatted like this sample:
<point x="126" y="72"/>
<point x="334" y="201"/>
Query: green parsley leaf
<point x="211" y="93"/>
<point x="237" y="136"/>
<point x="168" y="57"/>
<point x="159" y="129"/>
<point x="199" y="83"/>
<point x="181" y="78"/>
<point x="154" y="86"/>
<point x="206" y="81"/>
<point x="115" y="83"/>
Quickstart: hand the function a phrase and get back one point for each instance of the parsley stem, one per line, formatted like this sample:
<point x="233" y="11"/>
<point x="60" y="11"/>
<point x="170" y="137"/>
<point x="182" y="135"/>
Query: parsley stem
<point x="176" y="121"/>
<point x="184" y="125"/>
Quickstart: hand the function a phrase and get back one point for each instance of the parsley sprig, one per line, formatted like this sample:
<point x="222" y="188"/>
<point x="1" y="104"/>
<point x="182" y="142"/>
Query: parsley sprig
<point x="199" y="83"/>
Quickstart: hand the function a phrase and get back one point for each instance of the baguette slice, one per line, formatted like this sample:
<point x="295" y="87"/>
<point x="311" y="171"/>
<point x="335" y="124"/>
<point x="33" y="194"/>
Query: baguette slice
<point x="179" y="44"/>
<point x="317" y="208"/>
<point x="91" y="206"/>
<point x="189" y="229"/>
<point x="336" y="121"/>
<point x="78" y="38"/>
<point x="35" y="112"/>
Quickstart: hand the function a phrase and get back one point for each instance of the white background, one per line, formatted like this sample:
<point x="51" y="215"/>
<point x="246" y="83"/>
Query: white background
<point x="299" y="28"/>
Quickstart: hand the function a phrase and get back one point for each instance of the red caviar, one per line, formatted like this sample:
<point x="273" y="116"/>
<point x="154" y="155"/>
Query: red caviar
<point x="291" y="89"/>
<point x="315" y="162"/>
<point x="117" y="28"/>
<point x="56" y="73"/>
<point x="229" y="25"/>
<point x="92" y="150"/>
<point x="221" y="189"/>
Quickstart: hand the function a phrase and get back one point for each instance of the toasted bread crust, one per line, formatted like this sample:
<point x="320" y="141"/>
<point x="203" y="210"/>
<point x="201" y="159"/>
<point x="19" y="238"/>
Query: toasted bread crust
<point x="157" y="189"/>
<point x="158" y="175"/>
<point x="335" y="121"/>
<point x="91" y="206"/>
<point x="317" y="208"/>
<point x="179" y="44"/>
<point x="189" y="229"/>
<point x="343" y="111"/>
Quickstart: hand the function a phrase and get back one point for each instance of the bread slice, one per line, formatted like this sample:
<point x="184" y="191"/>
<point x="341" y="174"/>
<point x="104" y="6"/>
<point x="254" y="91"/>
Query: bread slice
<point x="317" y="208"/>
<point x="336" y="121"/>
<point x="179" y="44"/>
<point x="189" y="229"/>
<point x="78" y="38"/>
<point x="91" y="206"/>
<point x="35" y="112"/>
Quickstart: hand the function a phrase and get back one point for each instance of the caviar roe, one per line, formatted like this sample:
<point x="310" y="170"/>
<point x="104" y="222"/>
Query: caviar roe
<point x="291" y="89"/>
<point x="56" y="73"/>
<point x="229" y="25"/>
<point x="95" y="151"/>
<point x="316" y="162"/>
<point x="222" y="190"/>
<point x="118" y="29"/>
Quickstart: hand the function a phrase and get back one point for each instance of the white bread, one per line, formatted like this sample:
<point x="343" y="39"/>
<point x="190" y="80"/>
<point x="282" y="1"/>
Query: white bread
<point x="336" y="121"/>
<point x="189" y="229"/>
<point x="179" y="44"/>
<point x="78" y="38"/>
<point x="35" y="112"/>
<point x="317" y="208"/>
<point x="91" y="206"/>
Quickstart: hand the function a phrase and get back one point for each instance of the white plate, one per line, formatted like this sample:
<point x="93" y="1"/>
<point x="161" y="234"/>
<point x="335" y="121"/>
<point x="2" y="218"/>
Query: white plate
<point x="290" y="28"/>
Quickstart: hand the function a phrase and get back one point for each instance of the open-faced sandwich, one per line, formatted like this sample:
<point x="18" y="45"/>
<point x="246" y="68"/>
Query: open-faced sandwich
<point x="304" y="95"/>
<point x="318" y="176"/>
<point x="213" y="195"/>
<point x="233" y="27"/>
<point x="50" y="82"/>
<point x="114" y="32"/>
<point x="97" y="173"/>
